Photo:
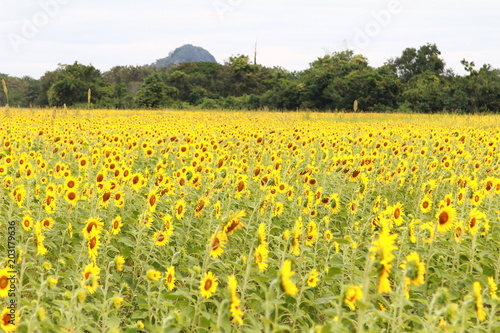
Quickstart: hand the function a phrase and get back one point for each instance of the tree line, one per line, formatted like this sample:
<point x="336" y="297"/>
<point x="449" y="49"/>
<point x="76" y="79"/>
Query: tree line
<point x="417" y="80"/>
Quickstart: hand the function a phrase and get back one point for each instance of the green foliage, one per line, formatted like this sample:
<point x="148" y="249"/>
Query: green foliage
<point x="417" y="81"/>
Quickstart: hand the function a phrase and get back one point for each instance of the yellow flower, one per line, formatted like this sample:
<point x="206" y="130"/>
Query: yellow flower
<point x="328" y="236"/>
<point x="492" y="287"/>
<point x="312" y="279"/>
<point x="153" y="275"/>
<point x="476" y="217"/>
<point x="5" y="275"/>
<point x="234" y="223"/>
<point x="352" y="294"/>
<point x="261" y="232"/>
<point x="426" y="204"/>
<point x="117" y="301"/>
<point x="297" y="235"/>
<point x="8" y="320"/>
<point x="93" y="246"/>
<point x="92" y="225"/>
<point x="381" y="253"/>
<point x="445" y="218"/>
<point x="414" y="269"/>
<point x="261" y="254"/>
<point x="27" y="222"/>
<point x="116" y="225"/>
<point x="170" y="278"/>
<point x="180" y="209"/>
<point x="208" y="285"/>
<point x="286" y="282"/>
<point x="39" y="238"/>
<point x="91" y="277"/>
<point x="52" y="282"/>
<point x="234" y="308"/>
<point x="217" y="244"/>
<point x="311" y="233"/>
<point x="119" y="261"/>
<point x="481" y="314"/>
<point x="161" y="238"/>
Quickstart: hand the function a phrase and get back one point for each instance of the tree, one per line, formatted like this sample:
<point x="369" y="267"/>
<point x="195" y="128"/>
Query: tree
<point x="154" y="93"/>
<point x="413" y="62"/>
<point x="72" y="82"/>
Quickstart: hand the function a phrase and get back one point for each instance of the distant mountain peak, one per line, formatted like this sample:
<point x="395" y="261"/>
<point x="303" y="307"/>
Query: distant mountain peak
<point x="185" y="53"/>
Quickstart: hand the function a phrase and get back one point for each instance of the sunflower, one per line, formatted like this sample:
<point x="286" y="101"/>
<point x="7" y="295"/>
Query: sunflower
<point x="235" y="223"/>
<point x="9" y="320"/>
<point x="312" y="279"/>
<point x="153" y="275"/>
<point x="116" y="225"/>
<point x="459" y="231"/>
<point x="234" y="308"/>
<point x="117" y="301"/>
<point x="278" y="209"/>
<point x="104" y="199"/>
<point x="261" y="232"/>
<point x="217" y="210"/>
<point x="146" y="219"/>
<point x="311" y="233"/>
<point x="352" y="294"/>
<point x="119" y="199"/>
<point x="48" y="223"/>
<point x="119" y="261"/>
<point x="27" y="222"/>
<point x="161" y="238"/>
<point x="200" y="206"/>
<point x="39" y="238"/>
<point x="208" y="285"/>
<point x="492" y="288"/>
<point x="481" y="314"/>
<point x="180" y="209"/>
<point x="297" y="236"/>
<point x="71" y="196"/>
<point x="376" y="204"/>
<point x="70" y="183"/>
<point x="5" y="275"/>
<point x="428" y="229"/>
<point x="19" y="195"/>
<point x="93" y="246"/>
<point x="328" y="236"/>
<point x="217" y="244"/>
<point x="352" y="206"/>
<point x="92" y="225"/>
<point x="152" y="200"/>
<point x="477" y="198"/>
<point x="168" y="223"/>
<point x="397" y="213"/>
<point x="91" y="277"/>
<point x="414" y="269"/>
<point x="461" y="196"/>
<point x="261" y="254"/>
<point x="445" y="218"/>
<point x="286" y="282"/>
<point x="476" y="217"/>
<point x="170" y="278"/>
<point x="426" y="204"/>
<point x="381" y="253"/>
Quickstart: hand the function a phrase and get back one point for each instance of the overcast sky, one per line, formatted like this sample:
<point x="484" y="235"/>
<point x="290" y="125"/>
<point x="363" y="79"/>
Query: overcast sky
<point x="37" y="35"/>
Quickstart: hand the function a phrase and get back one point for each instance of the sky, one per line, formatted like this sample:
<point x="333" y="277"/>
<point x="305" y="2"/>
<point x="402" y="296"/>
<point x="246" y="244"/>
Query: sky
<point x="37" y="35"/>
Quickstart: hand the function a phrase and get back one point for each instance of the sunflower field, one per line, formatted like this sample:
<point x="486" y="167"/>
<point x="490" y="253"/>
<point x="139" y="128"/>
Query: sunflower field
<point x="163" y="221"/>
